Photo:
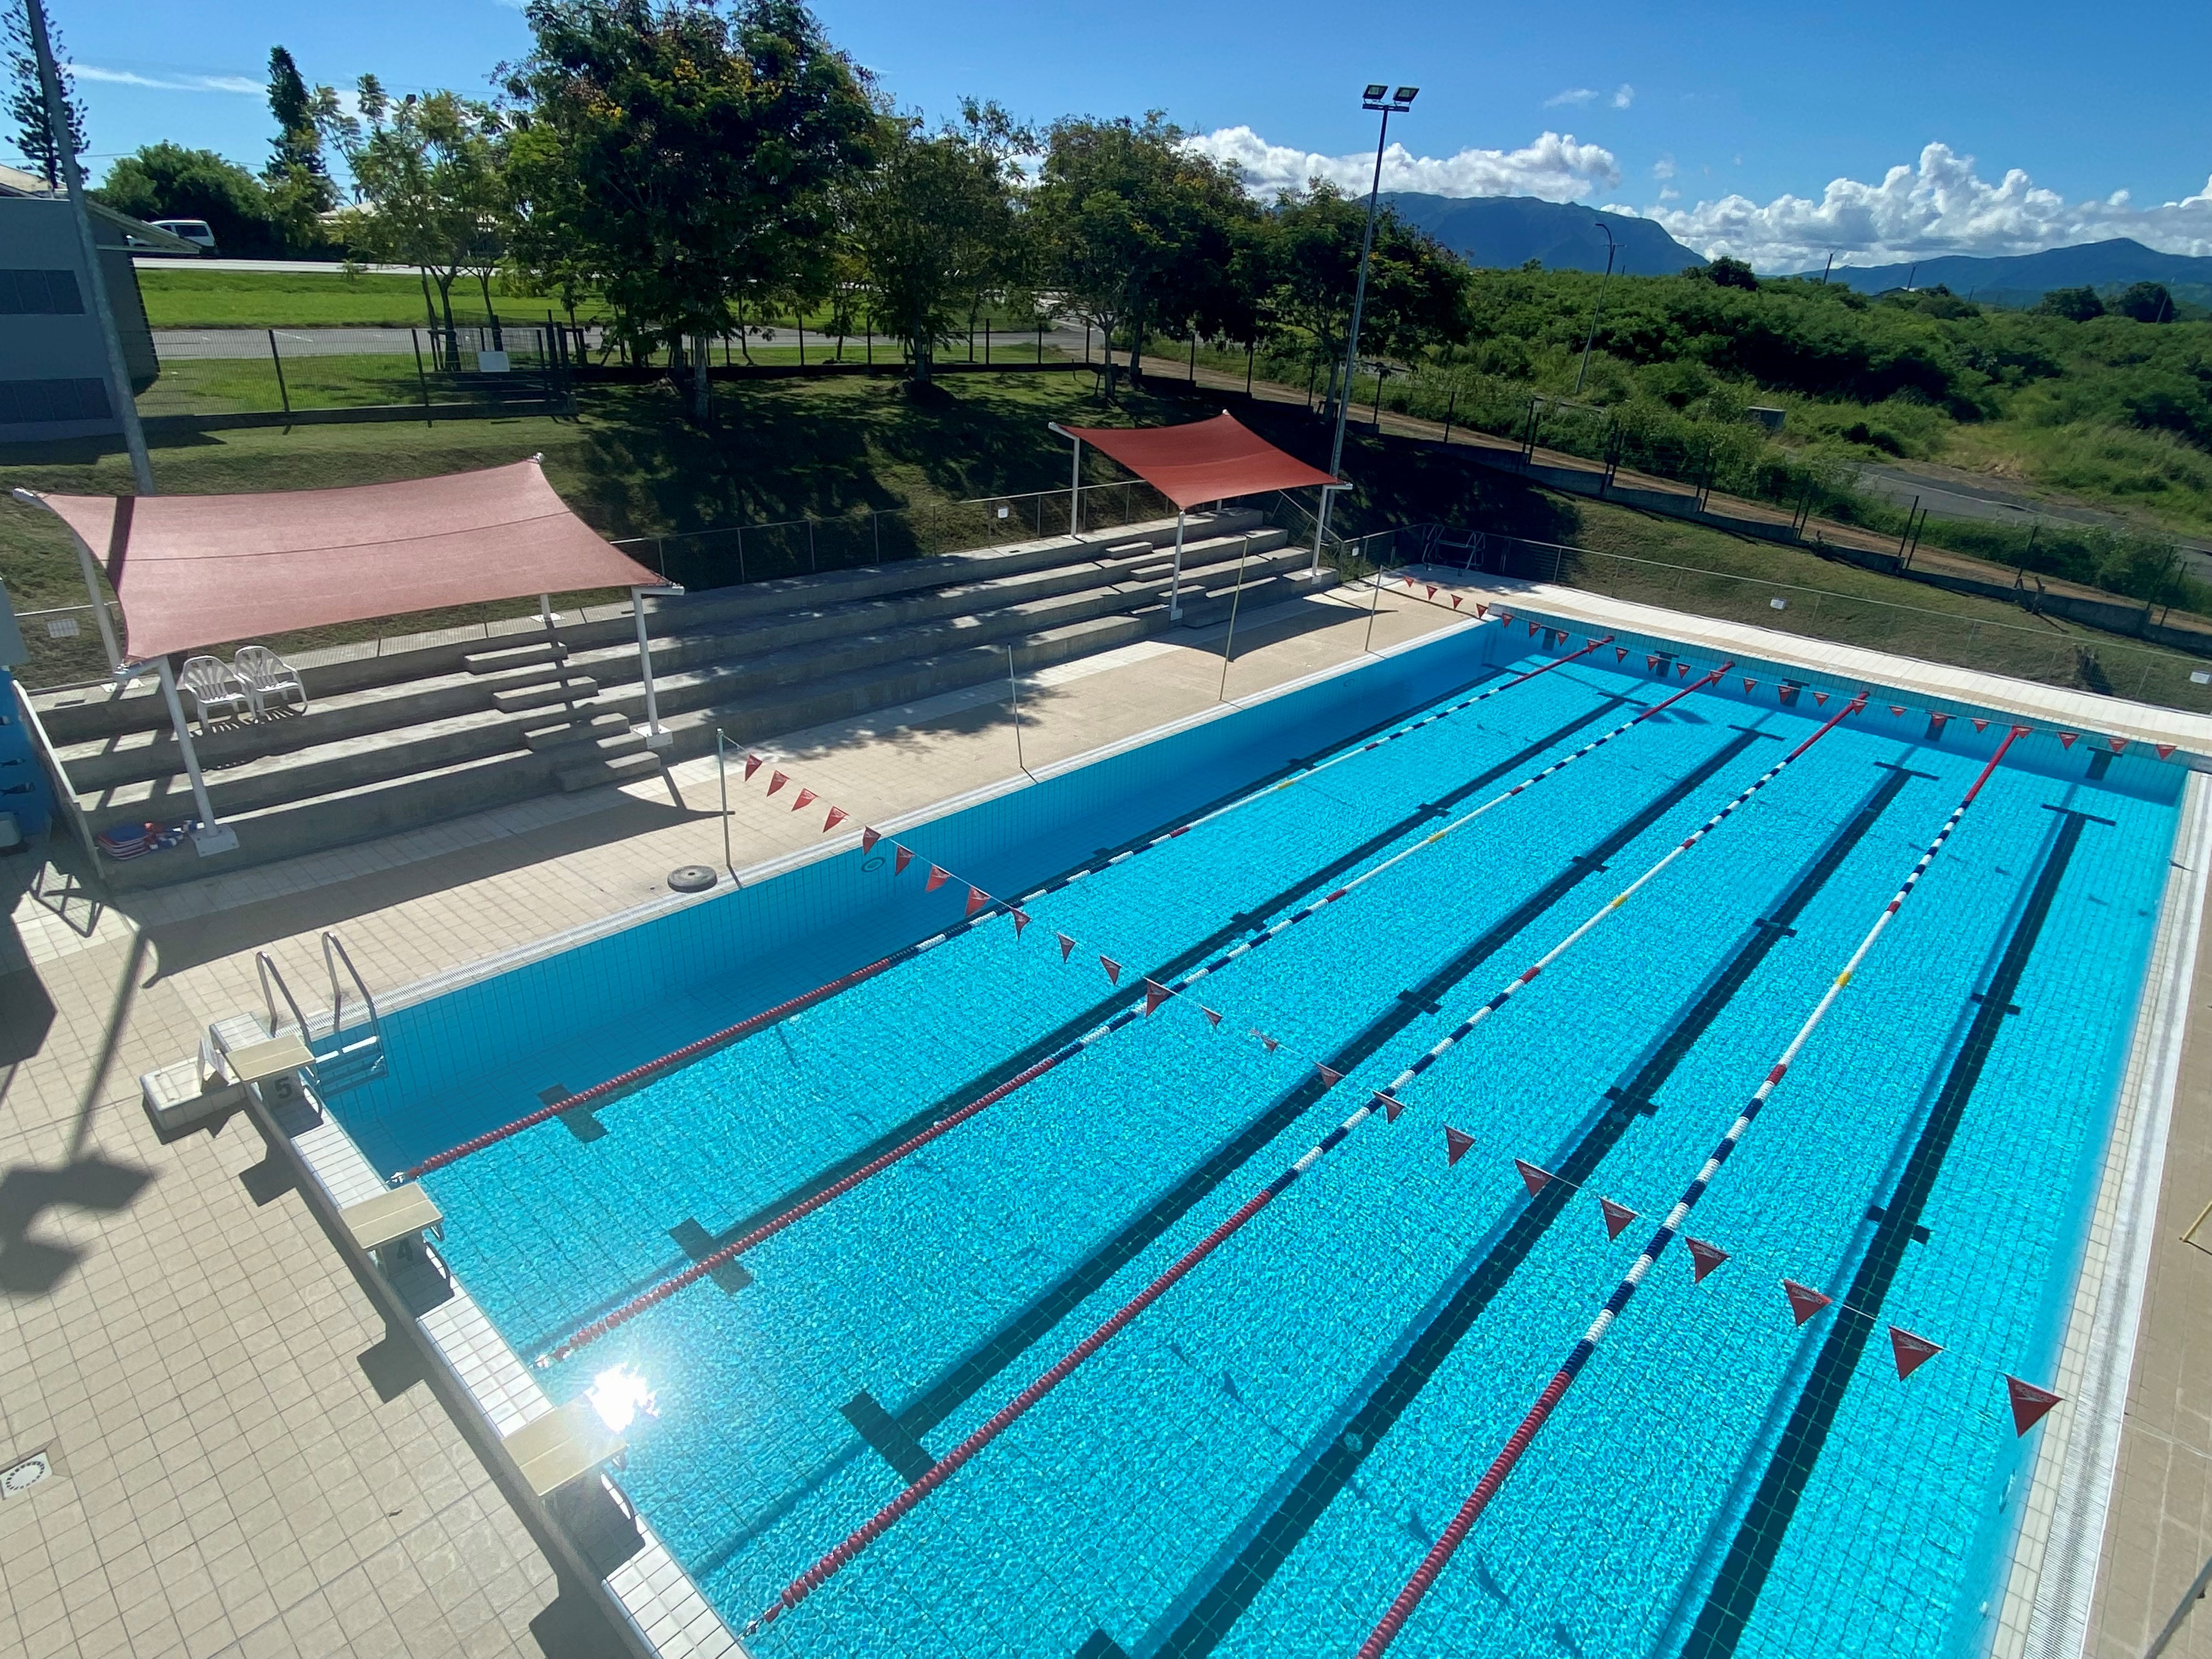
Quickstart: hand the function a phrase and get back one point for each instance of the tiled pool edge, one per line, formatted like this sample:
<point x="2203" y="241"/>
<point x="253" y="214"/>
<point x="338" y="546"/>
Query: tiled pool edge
<point x="650" y="1593"/>
<point x="2052" y="1577"/>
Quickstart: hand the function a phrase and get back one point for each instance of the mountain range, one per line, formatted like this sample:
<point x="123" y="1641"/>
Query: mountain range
<point x="2024" y="278"/>
<point x="1505" y="231"/>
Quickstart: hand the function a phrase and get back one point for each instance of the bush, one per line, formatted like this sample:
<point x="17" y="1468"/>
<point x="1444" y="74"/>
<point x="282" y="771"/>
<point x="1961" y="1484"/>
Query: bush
<point x="168" y="181"/>
<point x="2075" y="305"/>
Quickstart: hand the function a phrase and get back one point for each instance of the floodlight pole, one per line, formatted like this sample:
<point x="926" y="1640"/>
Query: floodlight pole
<point x="1598" y="309"/>
<point x="119" y="374"/>
<point x="1074" y="481"/>
<point x="1385" y="108"/>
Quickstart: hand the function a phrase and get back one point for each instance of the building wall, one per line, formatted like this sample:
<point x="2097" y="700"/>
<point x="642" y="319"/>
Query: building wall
<point x="22" y="779"/>
<point x="53" y="373"/>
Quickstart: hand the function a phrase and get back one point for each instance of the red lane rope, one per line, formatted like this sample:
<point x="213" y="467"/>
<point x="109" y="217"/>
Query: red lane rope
<point x="1494" y="1477"/>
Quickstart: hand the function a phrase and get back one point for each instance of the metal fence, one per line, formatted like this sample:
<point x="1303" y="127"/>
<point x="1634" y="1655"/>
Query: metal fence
<point x="2045" y="652"/>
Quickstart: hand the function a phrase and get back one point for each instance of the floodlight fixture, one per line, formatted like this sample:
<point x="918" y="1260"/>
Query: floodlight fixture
<point x="1405" y="95"/>
<point x="1376" y="93"/>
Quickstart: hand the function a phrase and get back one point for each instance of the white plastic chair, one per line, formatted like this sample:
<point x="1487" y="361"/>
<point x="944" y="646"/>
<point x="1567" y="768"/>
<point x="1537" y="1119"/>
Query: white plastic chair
<point x="214" y="690"/>
<point x="267" y="677"/>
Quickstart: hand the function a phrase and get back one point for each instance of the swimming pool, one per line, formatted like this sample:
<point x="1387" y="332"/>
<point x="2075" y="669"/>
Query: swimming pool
<point x="1257" y="1462"/>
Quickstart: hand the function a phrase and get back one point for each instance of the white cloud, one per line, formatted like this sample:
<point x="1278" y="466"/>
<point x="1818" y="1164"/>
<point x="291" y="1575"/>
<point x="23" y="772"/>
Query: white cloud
<point x="1941" y="206"/>
<point x="1554" y="165"/>
<point x="1623" y="95"/>
<point x="237" y="83"/>
<point x="1670" y="195"/>
<point x="1663" y="168"/>
<point x="1575" y="96"/>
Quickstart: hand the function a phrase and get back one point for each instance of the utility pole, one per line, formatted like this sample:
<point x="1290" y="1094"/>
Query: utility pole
<point x="1381" y="99"/>
<point x="1611" y="248"/>
<point x="118" y="374"/>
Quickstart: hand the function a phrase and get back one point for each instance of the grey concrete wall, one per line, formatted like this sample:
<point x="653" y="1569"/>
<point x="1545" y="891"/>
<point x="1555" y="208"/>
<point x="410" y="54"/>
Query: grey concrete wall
<point x="44" y="348"/>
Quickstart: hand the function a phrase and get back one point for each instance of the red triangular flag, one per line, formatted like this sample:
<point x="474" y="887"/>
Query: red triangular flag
<point x="1535" y="1179"/>
<point x="1154" y="995"/>
<point x="1455" y="1146"/>
<point x="1506" y="616"/>
<point x="1271" y="1044"/>
<point x="1391" y="1105"/>
<point x="1021" y="921"/>
<point x="1897" y="708"/>
<point x="1819" y="696"/>
<point x="1112" y="969"/>
<point x="1212" y="1018"/>
<point x="804" y="798"/>
<point x="937" y="878"/>
<point x="753" y="764"/>
<point x="2164" y="749"/>
<point x="1804" y="1300"/>
<point x="776" y="781"/>
<point x="1617" y="1216"/>
<point x="869" y="838"/>
<point x="1704" y="1258"/>
<point x="977" y="898"/>
<point x="1750" y="685"/>
<point x="2066" y="739"/>
<point x="1651" y="663"/>
<point x="1620" y="653"/>
<point x="1456" y="598"/>
<point x="1936" y="720"/>
<point x="1432" y="589"/>
<point x="1533" y="626"/>
<point x="1482" y="611"/>
<point x="1330" y="1077"/>
<point x="1683" y="669"/>
<point x="1912" y="1351"/>
<point x="1981" y="726"/>
<point x="1067" y="944"/>
<point x="905" y="857"/>
<point x="837" y="816"/>
<point x="2029" y="1403"/>
<point x="2119" y="744"/>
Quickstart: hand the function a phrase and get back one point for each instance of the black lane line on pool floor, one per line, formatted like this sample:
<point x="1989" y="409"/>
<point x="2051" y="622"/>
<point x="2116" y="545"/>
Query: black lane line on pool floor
<point x="1076" y="1025"/>
<point x="1031" y="1323"/>
<point x="1219" y="1595"/>
<point x="1757" y="1541"/>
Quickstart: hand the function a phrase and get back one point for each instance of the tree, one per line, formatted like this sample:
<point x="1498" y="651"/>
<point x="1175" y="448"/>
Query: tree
<point x="935" y="227"/>
<point x="1416" y="290"/>
<point x="1726" y="273"/>
<point x="299" y="185"/>
<point x="168" y="181"/>
<point x="2075" y="305"/>
<point x="27" y="98"/>
<point x="1135" y="232"/>
<point x="2146" y="303"/>
<point x="683" y="158"/>
<point x="427" y="173"/>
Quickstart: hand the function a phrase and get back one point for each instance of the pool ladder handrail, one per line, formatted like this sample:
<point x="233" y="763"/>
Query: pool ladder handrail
<point x="350" y="1064"/>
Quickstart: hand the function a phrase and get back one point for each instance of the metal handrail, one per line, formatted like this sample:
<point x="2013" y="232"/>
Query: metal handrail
<point x="265" y="966"/>
<point x="334" y="953"/>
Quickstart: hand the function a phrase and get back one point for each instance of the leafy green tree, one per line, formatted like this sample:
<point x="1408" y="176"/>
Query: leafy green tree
<point x="299" y="185"/>
<point x="427" y="174"/>
<point x="27" y="97"/>
<point x="1416" y="290"/>
<point x="2075" y="305"/>
<point x="2146" y="303"/>
<point x="935" y="227"/>
<point x="683" y="158"/>
<point x="1726" y="273"/>
<point x="1135" y="233"/>
<point x="168" y="181"/>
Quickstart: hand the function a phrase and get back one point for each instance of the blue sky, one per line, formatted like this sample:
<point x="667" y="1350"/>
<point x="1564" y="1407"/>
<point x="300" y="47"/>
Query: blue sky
<point x="1729" y="123"/>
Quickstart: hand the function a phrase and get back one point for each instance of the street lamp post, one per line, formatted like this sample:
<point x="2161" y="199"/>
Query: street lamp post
<point x="1611" y="248"/>
<point x="1386" y="102"/>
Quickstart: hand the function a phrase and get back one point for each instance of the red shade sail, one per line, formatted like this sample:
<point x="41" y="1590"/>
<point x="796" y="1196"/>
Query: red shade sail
<point x="1203" y="461"/>
<point x="197" y="570"/>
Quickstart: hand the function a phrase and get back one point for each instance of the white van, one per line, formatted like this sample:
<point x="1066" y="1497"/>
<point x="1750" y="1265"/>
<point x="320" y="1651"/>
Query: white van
<point x="195" y="231"/>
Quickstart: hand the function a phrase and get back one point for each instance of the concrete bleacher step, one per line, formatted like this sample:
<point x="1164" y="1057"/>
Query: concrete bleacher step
<point x="522" y="718"/>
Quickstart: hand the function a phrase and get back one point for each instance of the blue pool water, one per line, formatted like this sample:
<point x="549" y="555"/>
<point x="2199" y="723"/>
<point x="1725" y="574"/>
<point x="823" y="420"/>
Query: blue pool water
<point x="1164" y="1474"/>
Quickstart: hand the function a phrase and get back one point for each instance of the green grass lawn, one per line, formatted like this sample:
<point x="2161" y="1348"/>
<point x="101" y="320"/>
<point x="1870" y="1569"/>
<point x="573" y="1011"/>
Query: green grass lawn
<point x="185" y="296"/>
<point x="838" y="450"/>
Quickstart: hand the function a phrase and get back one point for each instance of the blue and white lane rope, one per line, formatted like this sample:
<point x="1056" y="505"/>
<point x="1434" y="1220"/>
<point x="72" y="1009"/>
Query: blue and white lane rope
<point x="1154" y="995"/>
<point x="1440" y="1553"/>
<point x="1383" y="1099"/>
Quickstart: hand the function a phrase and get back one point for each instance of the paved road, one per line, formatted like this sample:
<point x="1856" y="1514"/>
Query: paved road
<point x="177" y="344"/>
<point x="163" y="262"/>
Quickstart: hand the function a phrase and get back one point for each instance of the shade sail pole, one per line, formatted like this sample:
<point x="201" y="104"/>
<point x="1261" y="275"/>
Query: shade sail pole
<point x="1174" y="581"/>
<point x="211" y="838"/>
<point x="1075" y="480"/>
<point x="90" y="566"/>
<point x="656" y="736"/>
<point x="1320" y="525"/>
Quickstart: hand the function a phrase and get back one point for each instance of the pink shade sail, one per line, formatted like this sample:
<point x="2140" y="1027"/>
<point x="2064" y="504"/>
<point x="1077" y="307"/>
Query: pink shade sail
<point x="1202" y="461"/>
<point x="200" y="570"/>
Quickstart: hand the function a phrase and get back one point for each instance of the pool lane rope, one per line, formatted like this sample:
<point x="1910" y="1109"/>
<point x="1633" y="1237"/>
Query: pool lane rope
<point x="1384" y="1100"/>
<point x="1155" y="993"/>
<point x="744" y="1027"/>
<point x="1440" y="1553"/>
